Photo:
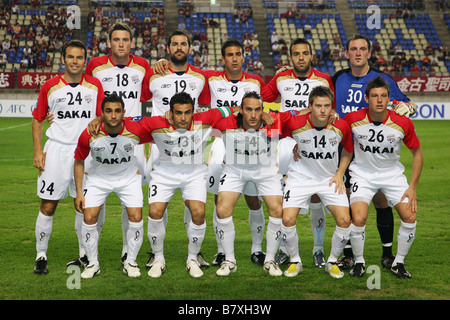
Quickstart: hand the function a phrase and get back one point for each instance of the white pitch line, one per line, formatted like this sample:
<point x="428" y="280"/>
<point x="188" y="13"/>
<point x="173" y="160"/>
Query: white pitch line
<point x="13" y="127"/>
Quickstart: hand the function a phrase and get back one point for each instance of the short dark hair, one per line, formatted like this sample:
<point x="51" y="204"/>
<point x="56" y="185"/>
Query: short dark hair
<point x="357" y="37"/>
<point x="181" y="98"/>
<point x="74" y="43"/>
<point x="251" y="95"/>
<point x="320" y="91"/>
<point x="112" y="98"/>
<point x="179" y="32"/>
<point x="377" y="82"/>
<point x="300" y="41"/>
<point x="120" y="26"/>
<point x="231" y="43"/>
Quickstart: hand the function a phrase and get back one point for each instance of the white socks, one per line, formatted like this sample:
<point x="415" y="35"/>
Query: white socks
<point x="405" y="238"/>
<point x="338" y="242"/>
<point x="273" y="237"/>
<point x="290" y="237"/>
<point x="357" y="238"/>
<point x="135" y="236"/>
<point x="156" y="234"/>
<point x="257" y="223"/>
<point x="227" y="233"/>
<point x="43" y="230"/>
<point x="89" y="239"/>
<point x="196" y="235"/>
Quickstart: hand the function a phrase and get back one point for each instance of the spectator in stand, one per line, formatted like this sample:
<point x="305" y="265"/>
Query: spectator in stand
<point x="3" y="59"/>
<point x="426" y="61"/>
<point x="307" y="28"/>
<point x="412" y="61"/>
<point x="434" y="59"/>
<point x="415" y="70"/>
<point x="274" y="37"/>
<point x="275" y="48"/>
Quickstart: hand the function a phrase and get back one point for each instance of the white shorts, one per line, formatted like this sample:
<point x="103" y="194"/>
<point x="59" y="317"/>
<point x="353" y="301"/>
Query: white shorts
<point x="364" y="190"/>
<point x="285" y="154"/>
<point x="152" y="160"/>
<point x="215" y="168"/>
<point x="127" y="187"/>
<point x="297" y="193"/>
<point x="164" y="182"/>
<point x="266" y="179"/>
<point x="57" y="180"/>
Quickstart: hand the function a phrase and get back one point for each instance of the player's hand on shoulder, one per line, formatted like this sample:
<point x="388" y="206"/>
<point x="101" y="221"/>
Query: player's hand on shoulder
<point x="93" y="127"/>
<point x="161" y="66"/>
<point x="284" y="68"/>
<point x="333" y="117"/>
<point x="168" y="117"/>
<point x="267" y="119"/>
<point x="404" y="109"/>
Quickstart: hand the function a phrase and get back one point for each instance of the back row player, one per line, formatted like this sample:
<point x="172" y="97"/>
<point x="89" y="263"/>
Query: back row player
<point x="350" y="85"/>
<point x="224" y="89"/>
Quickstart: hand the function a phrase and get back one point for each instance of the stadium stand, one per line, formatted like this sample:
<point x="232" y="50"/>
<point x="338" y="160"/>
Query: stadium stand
<point x="32" y="32"/>
<point x="325" y="32"/>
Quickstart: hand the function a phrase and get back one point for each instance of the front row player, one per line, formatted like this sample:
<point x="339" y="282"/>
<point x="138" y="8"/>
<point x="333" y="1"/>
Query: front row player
<point x="378" y="134"/>
<point x="113" y="168"/>
<point x="319" y="171"/>
<point x="180" y="166"/>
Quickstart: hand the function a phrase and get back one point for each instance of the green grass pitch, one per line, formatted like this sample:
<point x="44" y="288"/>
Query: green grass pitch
<point x="428" y="260"/>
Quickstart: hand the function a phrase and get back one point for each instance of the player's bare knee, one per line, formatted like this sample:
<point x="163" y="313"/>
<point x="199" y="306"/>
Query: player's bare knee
<point x="48" y="207"/>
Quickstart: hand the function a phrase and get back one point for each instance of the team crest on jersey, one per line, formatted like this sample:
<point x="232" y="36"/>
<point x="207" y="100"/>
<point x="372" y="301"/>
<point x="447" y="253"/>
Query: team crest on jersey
<point x="193" y="86"/>
<point x="333" y="141"/>
<point x="391" y="139"/>
<point x="135" y="78"/>
<point x="128" y="147"/>
<point x="88" y="99"/>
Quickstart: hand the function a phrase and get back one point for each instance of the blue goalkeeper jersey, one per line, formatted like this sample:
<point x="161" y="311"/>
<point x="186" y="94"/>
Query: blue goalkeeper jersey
<point x="350" y="90"/>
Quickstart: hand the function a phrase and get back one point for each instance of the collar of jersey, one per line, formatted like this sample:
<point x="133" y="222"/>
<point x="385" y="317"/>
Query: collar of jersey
<point x="129" y="60"/>
<point x="107" y="134"/>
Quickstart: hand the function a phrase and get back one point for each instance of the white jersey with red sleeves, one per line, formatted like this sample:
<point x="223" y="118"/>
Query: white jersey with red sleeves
<point x="162" y="87"/>
<point x="72" y="105"/>
<point x="112" y="154"/>
<point x="377" y="145"/>
<point x="249" y="149"/>
<point x="318" y="147"/>
<point x="182" y="148"/>
<point x="294" y="91"/>
<point x="125" y="80"/>
<point x="228" y="93"/>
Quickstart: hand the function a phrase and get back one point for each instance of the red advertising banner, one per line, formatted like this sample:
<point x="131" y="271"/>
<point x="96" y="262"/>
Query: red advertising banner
<point x="33" y="80"/>
<point x="7" y="80"/>
<point x="423" y="84"/>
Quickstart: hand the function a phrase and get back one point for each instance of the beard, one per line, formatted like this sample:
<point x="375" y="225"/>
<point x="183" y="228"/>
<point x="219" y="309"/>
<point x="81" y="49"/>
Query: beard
<point x="178" y="61"/>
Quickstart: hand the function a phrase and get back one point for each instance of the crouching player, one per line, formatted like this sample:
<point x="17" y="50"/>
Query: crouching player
<point x="378" y="134"/>
<point x="318" y="171"/>
<point x="113" y="169"/>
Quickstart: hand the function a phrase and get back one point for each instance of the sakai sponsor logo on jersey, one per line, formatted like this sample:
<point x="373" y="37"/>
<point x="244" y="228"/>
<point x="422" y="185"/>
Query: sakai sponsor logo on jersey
<point x="295" y="104"/>
<point x="348" y="109"/>
<point x="318" y="155"/>
<point x="376" y="149"/>
<point x="225" y="103"/>
<point x="113" y="160"/>
<point x="124" y="94"/>
<point x="74" y="114"/>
